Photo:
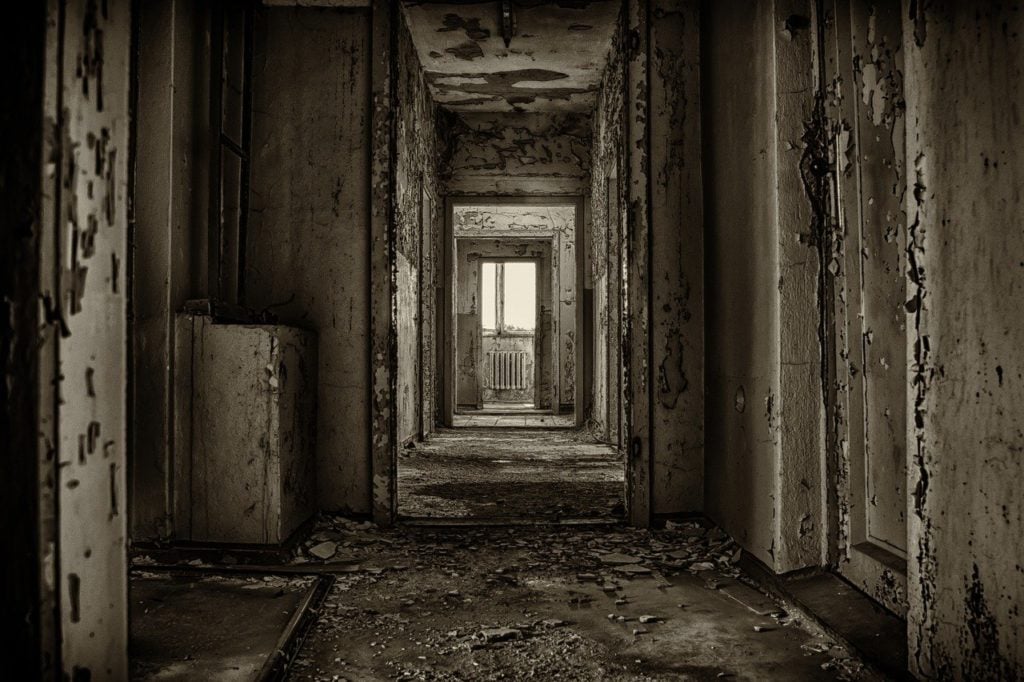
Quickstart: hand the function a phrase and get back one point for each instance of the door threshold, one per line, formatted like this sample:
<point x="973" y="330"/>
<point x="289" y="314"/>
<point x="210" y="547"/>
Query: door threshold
<point x="469" y="521"/>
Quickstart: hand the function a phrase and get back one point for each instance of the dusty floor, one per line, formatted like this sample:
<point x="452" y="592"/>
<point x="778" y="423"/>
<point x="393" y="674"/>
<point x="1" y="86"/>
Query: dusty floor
<point x="550" y="602"/>
<point x="510" y="473"/>
<point x="513" y="420"/>
<point x="208" y="627"/>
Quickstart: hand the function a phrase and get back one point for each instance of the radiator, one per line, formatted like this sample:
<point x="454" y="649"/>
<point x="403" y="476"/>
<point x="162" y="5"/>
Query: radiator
<point x="507" y="369"/>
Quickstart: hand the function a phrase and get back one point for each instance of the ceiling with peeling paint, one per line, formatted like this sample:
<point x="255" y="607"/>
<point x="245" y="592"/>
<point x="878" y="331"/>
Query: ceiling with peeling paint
<point x="553" y="62"/>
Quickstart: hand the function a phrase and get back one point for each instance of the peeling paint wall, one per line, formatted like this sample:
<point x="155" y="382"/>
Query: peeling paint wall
<point x="530" y="153"/>
<point x="964" y="66"/>
<point x="677" y="259"/>
<point x="309" y="231"/>
<point x="868" y="264"/>
<point x="84" y="293"/>
<point x="801" y="216"/>
<point x="417" y="227"/>
<point x="607" y="190"/>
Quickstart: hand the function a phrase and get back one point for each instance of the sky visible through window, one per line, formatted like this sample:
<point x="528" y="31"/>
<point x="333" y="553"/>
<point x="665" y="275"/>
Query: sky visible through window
<point x="520" y="300"/>
<point x="520" y="295"/>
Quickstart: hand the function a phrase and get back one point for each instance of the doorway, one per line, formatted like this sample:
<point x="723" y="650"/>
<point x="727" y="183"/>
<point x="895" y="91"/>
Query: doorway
<point x="508" y="448"/>
<point x="508" y="343"/>
<point x="510" y="237"/>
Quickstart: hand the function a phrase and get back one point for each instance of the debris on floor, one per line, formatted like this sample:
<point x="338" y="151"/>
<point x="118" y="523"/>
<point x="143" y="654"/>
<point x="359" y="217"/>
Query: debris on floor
<point x="551" y="602"/>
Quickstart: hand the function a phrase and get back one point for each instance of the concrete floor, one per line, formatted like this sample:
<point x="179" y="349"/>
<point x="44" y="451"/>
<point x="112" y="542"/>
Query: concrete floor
<point x="510" y="473"/>
<point x="210" y="627"/>
<point x="554" y="602"/>
<point x="512" y="420"/>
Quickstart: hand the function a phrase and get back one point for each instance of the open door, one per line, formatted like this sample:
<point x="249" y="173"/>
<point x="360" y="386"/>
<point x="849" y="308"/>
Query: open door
<point x="870" y="524"/>
<point x="508" y="301"/>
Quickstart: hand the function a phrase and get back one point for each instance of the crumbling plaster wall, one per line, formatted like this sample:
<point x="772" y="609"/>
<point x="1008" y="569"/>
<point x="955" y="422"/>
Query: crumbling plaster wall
<point x="607" y="187"/>
<point x="526" y="153"/>
<point x="863" y="61"/>
<point x="309" y="232"/>
<point x="964" y="66"/>
<point x="676" y="259"/>
<point x="419" y="131"/>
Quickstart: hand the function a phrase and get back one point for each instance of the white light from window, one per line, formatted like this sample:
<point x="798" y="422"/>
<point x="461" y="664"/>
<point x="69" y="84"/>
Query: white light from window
<point x="520" y="295"/>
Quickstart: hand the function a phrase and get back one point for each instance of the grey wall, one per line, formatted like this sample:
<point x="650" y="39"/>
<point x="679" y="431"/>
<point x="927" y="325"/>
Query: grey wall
<point x="170" y="238"/>
<point x="966" y="249"/>
<point x="766" y="410"/>
<point x="308" y="248"/>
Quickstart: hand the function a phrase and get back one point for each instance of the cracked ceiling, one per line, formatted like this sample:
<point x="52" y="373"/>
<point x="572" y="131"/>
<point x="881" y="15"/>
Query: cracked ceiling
<point x="553" y="62"/>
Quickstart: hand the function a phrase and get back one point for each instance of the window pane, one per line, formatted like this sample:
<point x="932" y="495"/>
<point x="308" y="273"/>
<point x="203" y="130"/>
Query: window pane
<point x="520" y="295"/>
<point x="488" y="272"/>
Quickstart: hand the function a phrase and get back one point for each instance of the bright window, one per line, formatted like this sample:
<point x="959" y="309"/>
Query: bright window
<point x="509" y="296"/>
<point x="520" y="296"/>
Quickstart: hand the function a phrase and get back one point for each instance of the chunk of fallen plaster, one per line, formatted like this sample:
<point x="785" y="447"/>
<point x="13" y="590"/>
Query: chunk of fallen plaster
<point x="554" y="623"/>
<point x="631" y="569"/>
<point x="325" y="550"/>
<point x="500" y="634"/>
<point x="619" y="559"/>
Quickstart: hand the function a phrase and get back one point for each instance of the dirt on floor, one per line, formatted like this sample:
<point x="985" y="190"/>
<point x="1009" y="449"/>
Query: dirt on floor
<point x="208" y="627"/>
<point x="550" y="602"/>
<point x="510" y="473"/>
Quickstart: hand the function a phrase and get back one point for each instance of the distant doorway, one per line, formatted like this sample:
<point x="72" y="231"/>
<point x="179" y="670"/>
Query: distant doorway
<point x="514" y="308"/>
<point x="508" y="338"/>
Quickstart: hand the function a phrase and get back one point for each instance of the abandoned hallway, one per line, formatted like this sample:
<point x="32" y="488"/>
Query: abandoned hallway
<point x="512" y="339"/>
